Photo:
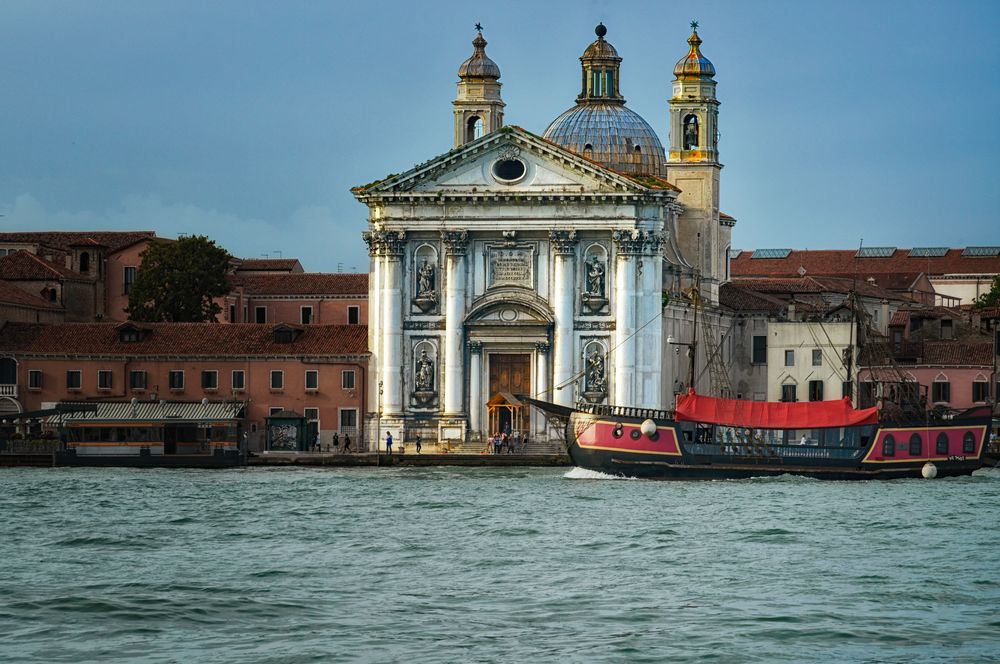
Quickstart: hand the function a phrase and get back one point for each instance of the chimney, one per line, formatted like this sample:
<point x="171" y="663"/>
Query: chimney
<point x="885" y="316"/>
<point x="791" y="310"/>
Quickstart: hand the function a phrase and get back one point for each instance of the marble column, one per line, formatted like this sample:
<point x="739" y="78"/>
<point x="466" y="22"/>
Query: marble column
<point x="629" y="246"/>
<point x="476" y="401"/>
<point x="541" y="386"/>
<point x="392" y="246"/>
<point x="563" y="245"/>
<point x="374" y="318"/>
<point x="649" y="360"/>
<point x="455" y="243"/>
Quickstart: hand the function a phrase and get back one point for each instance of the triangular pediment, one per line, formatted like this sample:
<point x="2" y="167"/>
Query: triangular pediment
<point x="539" y="167"/>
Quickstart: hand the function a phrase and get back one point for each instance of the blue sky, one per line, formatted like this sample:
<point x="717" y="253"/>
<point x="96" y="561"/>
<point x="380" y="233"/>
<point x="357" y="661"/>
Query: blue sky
<point x="250" y="121"/>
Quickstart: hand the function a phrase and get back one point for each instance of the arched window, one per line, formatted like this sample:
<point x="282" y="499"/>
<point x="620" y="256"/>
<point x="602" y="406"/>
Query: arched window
<point x="691" y="133"/>
<point x="916" y="445"/>
<point x="473" y="128"/>
<point x="888" y="446"/>
<point x="588" y="151"/>
<point x="637" y="155"/>
<point x="969" y="442"/>
<point x="8" y="371"/>
<point x="85" y="262"/>
<point x="941" y="446"/>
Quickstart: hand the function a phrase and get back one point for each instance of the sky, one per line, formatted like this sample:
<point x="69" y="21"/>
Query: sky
<point x="249" y="122"/>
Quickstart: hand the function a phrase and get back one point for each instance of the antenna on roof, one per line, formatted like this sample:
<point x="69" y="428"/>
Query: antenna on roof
<point x="340" y="267"/>
<point x="279" y="252"/>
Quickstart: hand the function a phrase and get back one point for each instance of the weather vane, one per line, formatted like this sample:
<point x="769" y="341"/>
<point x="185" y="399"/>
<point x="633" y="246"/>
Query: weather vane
<point x="694" y="25"/>
<point x="479" y="27"/>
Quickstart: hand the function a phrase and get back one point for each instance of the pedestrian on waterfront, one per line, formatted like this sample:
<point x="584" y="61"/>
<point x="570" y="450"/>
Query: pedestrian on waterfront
<point x="388" y="443"/>
<point x="504" y="443"/>
<point x="336" y="441"/>
<point x="524" y="444"/>
<point x="418" y="443"/>
<point x="347" y="443"/>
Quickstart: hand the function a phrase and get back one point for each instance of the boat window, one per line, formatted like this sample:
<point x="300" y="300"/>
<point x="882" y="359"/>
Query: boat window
<point x="634" y="434"/>
<point x="916" y="445"/>
<point x="942" y="443"/>
<point x="888" y="446"/>
<point x="617" y="432"/>
<point x="969" y="442"/>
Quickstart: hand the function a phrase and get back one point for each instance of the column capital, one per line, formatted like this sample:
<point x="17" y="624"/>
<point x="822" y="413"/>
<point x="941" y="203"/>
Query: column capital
<point x="543" y="347"/>
<point x="636" y="242"/>
<point x="563" y="242"/>
<point x="455" y="242"/>
<point x="385" y="243"/>
<point x="475" y="347"/>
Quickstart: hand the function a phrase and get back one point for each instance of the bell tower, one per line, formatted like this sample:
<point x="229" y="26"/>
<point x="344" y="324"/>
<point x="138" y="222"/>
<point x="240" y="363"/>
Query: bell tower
<point x="693" y="166"/>
<point x="478" y="106"/>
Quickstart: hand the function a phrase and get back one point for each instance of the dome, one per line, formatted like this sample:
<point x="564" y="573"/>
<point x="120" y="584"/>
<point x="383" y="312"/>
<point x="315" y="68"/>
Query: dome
<point x="612" y="134"/>
<point x="479" y="66"/>
<point x="694" y="64"/>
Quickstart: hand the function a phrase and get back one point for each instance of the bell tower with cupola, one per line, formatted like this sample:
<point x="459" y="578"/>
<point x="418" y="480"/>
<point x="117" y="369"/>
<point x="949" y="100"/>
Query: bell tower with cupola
<point x="693" y="165"/>
<point x="478" y="106"/>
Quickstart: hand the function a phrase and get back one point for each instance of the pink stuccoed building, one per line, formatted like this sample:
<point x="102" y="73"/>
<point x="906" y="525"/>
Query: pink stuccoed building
<point x="315" y="371"/>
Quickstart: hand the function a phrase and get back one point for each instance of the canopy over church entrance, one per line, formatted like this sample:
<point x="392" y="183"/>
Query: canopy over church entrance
<point x="506" y="412"/>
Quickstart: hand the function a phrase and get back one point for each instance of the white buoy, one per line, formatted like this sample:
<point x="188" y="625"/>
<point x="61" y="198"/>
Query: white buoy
<point x="929" y="471"/>
<point x="648" y="428"/>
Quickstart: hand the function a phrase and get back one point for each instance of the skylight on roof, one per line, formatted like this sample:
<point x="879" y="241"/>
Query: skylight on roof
<point x="876" y="252"/>
<point x="771" y="253"/>
<point x="928" y="252"/>
<point x="979" y="252"/>
<point x="734" y="254"/>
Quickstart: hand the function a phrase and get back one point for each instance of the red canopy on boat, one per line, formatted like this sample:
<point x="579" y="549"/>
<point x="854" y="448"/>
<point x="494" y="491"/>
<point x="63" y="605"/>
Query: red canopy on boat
<point x="692" y="407"/>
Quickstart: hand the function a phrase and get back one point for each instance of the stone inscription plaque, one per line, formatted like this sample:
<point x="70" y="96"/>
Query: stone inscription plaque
<point x="510" y="266"/>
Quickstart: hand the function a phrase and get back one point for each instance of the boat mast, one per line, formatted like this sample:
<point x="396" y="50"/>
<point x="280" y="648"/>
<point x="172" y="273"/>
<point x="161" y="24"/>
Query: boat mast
<point x="693" y="349"/>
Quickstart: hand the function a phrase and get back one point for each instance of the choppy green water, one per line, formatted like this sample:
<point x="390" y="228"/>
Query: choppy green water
<point x="482" y="565"/>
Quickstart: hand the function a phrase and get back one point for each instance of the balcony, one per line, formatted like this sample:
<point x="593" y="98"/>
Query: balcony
<point x="8" y="390"/>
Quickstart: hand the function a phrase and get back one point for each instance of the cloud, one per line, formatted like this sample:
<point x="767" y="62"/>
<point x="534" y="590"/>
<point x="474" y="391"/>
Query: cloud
<point x="309" y="232"/>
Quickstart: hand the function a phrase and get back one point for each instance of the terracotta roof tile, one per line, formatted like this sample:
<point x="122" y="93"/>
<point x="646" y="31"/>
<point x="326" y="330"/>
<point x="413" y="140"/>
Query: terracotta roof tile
<point x="268" y="264"/>
<point x="844" y="262"/>
<point x="24" y="266"/>
<point x="958" y="353"/>
<point x="813" y="285"/>
<point x="11" y="294"/>
<point x="305" y="283"/>
<point x="738" y="298"/>
<point x="185" y="339"/>
<point x="113" y="240"/>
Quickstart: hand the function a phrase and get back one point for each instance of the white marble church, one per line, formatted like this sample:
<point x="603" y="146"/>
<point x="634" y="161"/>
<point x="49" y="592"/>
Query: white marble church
<point x="518" y="264"/>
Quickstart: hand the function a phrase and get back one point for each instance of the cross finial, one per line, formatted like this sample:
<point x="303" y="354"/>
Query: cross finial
<point x="479" y="27"/>
<point x="694" y="25"/>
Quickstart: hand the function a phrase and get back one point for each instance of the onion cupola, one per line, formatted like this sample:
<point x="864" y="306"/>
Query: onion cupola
<point x="601" y="127"/>
<point x="479" y="64"/>
<point x="694" y="65"/>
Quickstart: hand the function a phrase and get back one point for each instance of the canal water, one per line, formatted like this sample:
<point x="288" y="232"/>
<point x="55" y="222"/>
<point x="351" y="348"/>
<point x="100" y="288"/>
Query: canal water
<point x="493" y="565"/>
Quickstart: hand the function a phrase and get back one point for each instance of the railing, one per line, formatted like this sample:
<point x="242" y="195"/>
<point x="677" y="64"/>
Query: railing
<point x="8" y="391"/>
<point x="626" y="411"/>
<point x="759" y="451"/>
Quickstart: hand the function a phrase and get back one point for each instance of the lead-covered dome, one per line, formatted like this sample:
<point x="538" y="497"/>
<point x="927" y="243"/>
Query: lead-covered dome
<point x="479" y="65"/>
<point x="600" y="126"/>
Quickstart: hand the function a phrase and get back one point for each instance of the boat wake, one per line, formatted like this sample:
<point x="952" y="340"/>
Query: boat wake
<point x="577" y="473"/>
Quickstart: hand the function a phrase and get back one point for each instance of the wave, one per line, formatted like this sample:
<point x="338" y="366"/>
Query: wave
<point x="577" y="473"/>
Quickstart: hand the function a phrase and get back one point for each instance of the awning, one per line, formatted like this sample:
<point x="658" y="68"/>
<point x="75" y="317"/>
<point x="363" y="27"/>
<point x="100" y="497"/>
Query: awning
<point x="693" y="407"/>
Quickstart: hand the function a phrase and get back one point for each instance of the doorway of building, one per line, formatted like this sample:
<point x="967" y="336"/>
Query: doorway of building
<point x="510" y="373"/>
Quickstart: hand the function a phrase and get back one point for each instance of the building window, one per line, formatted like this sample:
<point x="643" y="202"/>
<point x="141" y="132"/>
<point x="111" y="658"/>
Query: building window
<point x="232" y="313"/>
<point x="210" y="380"/>
<point x="246" y="316"/>
<point x="916" y="445"/>
<point x="312" y="379"/>
<point x="239" y="380"/>
<point x="274" y="410"/>
<point x="788" y="393"/>
<point x="980" y="391"/>
<point x="817" y="357"/>
<point x="176" y="380"/>
<point x="277" y="380"/>
<point x="348" y="418"/>
<point x="73" y="380"/>
<point x="947" y="328"/>
<point x="815" y="390"/>
<point x="137" y="380"/>
<point x="260" y="314"/>
<point x="34" y="379"/>
<point x="789" y="358"/>
<point x="759" y="349"/>
<point x="306" y="315"/>
<point x="847" y="389"/>
<point x="104" y="378"/>
<point x="347" y="379"/>
<point x="941" y="445"/>
<point x="311" y="414"/>
<point x="888" y="446"/>
<point x="941" y="391"/>
<point x="969" y="442"/>
<point x="128" y="278"/>
<point x="85" y="262"/>
<point x="353" y="315"/>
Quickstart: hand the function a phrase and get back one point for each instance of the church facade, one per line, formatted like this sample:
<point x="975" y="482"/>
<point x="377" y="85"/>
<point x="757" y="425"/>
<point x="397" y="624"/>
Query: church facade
<point x="548" y="266"/>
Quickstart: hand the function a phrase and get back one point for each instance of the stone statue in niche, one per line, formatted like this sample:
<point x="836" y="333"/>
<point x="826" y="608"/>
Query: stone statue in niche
<point x="425" y="279"/>
<point x="597" y="382"/>
<point x="426" y="299"/>
<point x="595" y="283"/>
<point x="424" y="379"/>
<point x="691" y="133"/>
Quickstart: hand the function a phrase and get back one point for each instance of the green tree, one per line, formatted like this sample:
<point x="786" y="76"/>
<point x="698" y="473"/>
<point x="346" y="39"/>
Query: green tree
<point x="178" y="281"/>
<point x="990" y="298"/>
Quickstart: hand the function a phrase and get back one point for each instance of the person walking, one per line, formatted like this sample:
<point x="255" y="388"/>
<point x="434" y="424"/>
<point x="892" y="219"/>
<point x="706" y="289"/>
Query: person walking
<point x="388" y="443"/>
<point x="336" y="441"/>
<point x="418" y="443"/>
<point x="347" y="443"/>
